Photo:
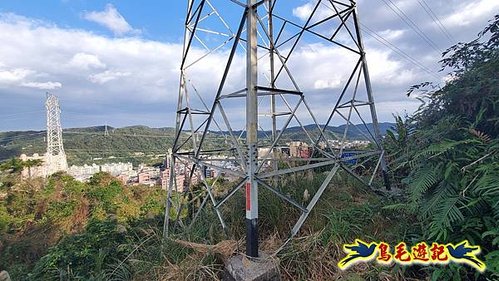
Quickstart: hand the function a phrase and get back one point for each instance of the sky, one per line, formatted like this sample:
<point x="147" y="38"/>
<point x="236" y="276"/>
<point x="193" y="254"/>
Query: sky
<point x="117" y="62"/>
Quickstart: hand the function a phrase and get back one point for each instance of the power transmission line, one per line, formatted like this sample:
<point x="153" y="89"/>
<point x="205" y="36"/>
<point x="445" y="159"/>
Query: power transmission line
<point x="391" y="46"/>
<point x="397" y="50"/>
<point x="435" y="18"/>
<point x="402" y="15"/>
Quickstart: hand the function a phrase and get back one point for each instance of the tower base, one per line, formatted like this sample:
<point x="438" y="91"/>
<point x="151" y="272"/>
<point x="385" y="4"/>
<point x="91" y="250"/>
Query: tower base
<point x="242" y="268"/>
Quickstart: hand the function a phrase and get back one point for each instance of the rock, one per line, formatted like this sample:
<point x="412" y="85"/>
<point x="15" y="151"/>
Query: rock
<point x="4" y="276"/>
<point x="241" y="268"/>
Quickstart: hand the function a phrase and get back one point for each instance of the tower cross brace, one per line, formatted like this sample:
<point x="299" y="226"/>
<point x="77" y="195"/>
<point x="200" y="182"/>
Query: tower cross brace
<point x="250" y="156"/>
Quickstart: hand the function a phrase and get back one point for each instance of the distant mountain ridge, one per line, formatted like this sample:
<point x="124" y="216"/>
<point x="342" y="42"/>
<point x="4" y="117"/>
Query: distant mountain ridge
<point x="83" y="145"/>
<point x="359" y="131"/>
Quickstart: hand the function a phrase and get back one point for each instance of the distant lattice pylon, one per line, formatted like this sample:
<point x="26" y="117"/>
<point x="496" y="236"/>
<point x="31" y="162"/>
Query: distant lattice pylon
<point x="55" y="157"/>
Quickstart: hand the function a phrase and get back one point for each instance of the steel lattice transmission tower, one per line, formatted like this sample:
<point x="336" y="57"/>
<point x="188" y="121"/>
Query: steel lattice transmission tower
<point x="277" y="75"/>
<point x="55" y="157"/>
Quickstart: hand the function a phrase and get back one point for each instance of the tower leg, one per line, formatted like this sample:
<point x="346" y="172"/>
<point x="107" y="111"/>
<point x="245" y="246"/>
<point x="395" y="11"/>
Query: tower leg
<point x="251" y="132"/>
<point x="374" y="117"/>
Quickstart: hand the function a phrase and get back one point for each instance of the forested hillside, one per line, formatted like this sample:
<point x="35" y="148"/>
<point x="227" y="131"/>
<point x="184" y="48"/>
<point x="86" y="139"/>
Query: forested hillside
<point x="445" y="157"/>
<point x="135" y="143"/>
<point x="62" y="229"/>
<point x="82" y="145"/>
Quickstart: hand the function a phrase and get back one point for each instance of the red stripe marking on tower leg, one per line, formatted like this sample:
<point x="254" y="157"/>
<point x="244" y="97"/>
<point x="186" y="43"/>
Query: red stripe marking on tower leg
<point x="248" y="196"/>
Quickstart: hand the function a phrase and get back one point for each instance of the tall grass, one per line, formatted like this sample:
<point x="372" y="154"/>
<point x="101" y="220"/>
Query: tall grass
<point x="345" y="212"/>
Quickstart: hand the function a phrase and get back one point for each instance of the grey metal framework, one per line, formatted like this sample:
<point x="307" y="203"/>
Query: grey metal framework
<point x="254" y="51"/>
<point x="56" y="157"/>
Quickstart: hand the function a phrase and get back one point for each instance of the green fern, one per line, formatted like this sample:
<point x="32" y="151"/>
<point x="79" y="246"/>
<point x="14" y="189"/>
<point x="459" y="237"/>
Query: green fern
<point x="423" y="180"/>
<point x="493" y="233"/>
<point x="451" y="159"/>
<point x="444" y="217"/>
<point x="440" y="148"/>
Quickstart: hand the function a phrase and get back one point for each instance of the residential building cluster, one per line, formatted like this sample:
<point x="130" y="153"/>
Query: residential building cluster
<point x="48" y="165"/>
<point x="298" y="149"/>
<point x="183" y="170"/>
<point x="83" y="173"/>
<point x="294" y="149"/>
<point x="148" y="175"/>
<point x="125" y="172"/>
<point x="337" y="144"/>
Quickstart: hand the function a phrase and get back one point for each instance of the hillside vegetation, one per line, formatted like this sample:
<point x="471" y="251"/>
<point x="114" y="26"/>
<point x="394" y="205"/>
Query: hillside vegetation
<point x="65" y="229"/>
<point x="137" y="144"/>
<point x="445" y="157"/>
<point x="82" y="145"/>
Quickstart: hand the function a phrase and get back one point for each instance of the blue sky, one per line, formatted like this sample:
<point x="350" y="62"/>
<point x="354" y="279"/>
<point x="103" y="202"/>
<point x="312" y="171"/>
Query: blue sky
<point x="158" y="20"/>
<point x="117" y="62"/>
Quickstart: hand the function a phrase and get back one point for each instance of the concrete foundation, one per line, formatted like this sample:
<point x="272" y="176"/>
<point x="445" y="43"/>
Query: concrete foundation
<point x="242" y="268"/>
<point x="4" y="276"/>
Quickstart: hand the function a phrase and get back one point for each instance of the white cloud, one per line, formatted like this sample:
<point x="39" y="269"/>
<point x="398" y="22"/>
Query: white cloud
<point x="14" y="75"/>
<point x="138" y="76"/>
<point x="391" y="35"/>
<point x="385" y="70"/>
<point x="86" y="61"/>
<point x="327" y="84"/>
<point x="321" y="66"/>
<point x="303" y="12"/>
<point x="21" y="77"/>
<point x="469" y="13"/>
<point x="111" y="19"/>
<point x="43" y="85"/>
<point x="133" y="72"/>
<point x="107" y="76"/>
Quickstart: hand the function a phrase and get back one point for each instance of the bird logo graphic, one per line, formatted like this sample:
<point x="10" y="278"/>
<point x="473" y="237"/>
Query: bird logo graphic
<point x="465" y="253"/>
<point x="358" y="251"/>
<point x="420" y="253"/>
